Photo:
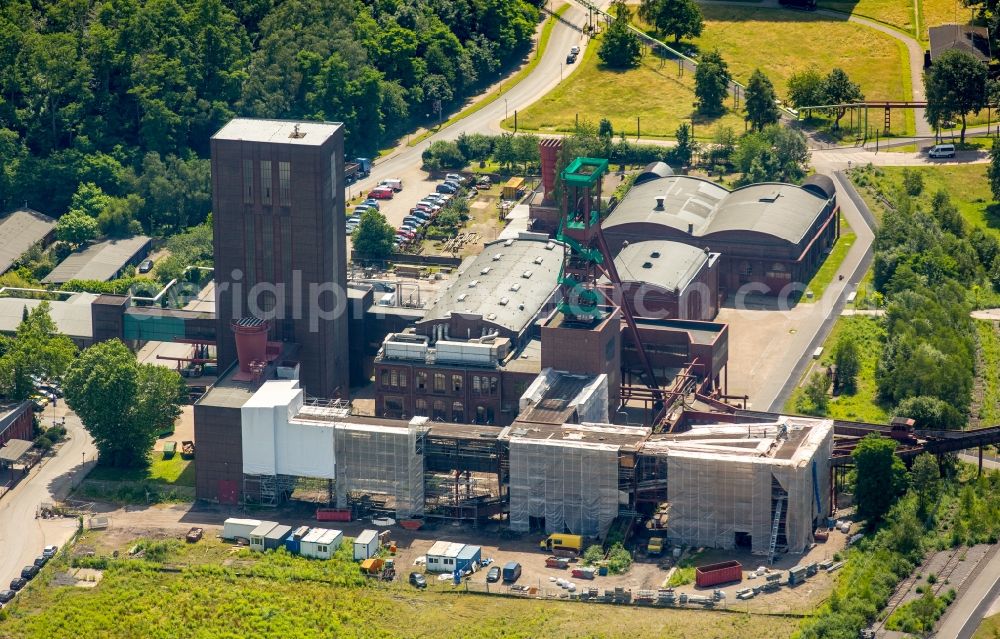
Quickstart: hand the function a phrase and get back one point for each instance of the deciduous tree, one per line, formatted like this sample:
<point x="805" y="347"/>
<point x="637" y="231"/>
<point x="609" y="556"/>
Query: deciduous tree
<point x="760" y="102"/>
<point x="76" y="227"/>
<point x="711" y="83"/>
<point x="620" y="47"/>
<point x="372" y="239"/>
<point x="955" y="86"/>
<point x="677" y="18"/>
<point x="805" y="88"/>
<point x="38" y="348"/>
<point x="880" y="477"/>
<point x="122" y="404"/>
<point x="848" y="363"/>
<point x="839" y="89"/>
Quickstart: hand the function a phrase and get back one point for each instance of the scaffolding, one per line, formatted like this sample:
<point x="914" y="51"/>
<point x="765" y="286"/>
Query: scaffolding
<point x="756" y="489"/>
<point x="381" y="460"/>
<point x="267" y="490"/>
<point x="563" y="485"/>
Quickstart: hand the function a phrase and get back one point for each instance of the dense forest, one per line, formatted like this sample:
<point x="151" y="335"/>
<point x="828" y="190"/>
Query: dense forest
<point x="125" y="94"/>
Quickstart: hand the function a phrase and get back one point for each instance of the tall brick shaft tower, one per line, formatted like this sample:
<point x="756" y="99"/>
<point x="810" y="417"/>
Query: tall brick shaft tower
<point x="278" y="207"/>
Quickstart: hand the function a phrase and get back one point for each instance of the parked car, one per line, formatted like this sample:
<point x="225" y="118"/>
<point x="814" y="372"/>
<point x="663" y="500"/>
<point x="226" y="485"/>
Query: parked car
<point x="417" y="580"/>
<point x="942" y="151"/>
<point x="408" y="234"/>
<point x="484" y="182"/>
<point x="420" y="213"/>
<point x="6" y="595"/>
<point x="50" y="391"/>
<point x="445" y="188"/>
<point x="414" y="220"/>
<point x="29" y="572"/>
<point x="18" y="583"/>
<point x="454" y="184"/>
<point x="372" y="203"/>
<point x="571" y="58"/>
<point x="381" y="193"/>
<point x="396" y="184"/>
<point x="50" y="551"/>
<point x="575" y="50"/>
<point x="145" y="266"/>
<point x="41" y="560"/>
<point x="493" y="575"/>
<point x="455" y="177"/>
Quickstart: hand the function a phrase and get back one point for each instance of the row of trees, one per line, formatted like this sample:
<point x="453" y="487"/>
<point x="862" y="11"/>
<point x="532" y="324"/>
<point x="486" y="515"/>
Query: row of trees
<point x="125" y="94"/>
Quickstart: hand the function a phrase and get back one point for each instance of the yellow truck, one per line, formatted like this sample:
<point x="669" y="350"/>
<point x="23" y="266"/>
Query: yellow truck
<point x="562" y="545"/>
<point x="655" y="546"/>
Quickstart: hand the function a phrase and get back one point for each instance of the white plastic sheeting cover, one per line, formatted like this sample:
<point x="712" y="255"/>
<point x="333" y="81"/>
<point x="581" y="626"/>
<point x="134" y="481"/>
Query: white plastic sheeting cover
<point x="305" y="449"/>
<point x="573" y="485"/>
<point x="275" y="443"/>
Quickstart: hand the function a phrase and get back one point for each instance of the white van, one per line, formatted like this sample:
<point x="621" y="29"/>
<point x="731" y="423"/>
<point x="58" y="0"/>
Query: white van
<point x="389" y="299"/>
<point x="396" y="184"/>
<point x="942" y="151"/>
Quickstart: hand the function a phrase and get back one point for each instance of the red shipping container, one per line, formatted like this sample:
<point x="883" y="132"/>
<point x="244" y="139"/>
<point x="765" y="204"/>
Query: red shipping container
<point x="720" y="573"/>
<point x="333" y="514"/>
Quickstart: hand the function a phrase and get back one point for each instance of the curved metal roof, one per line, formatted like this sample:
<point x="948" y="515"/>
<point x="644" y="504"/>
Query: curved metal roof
<point x="669" y="265"/>
<point x="700" y="208"/>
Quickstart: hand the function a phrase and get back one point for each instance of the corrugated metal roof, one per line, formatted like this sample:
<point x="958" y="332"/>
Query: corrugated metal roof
<point x="18" y="232"/>
<point x="100" y="261"/>
<point x="486" y="286"/>
<point x="72" y="315"/>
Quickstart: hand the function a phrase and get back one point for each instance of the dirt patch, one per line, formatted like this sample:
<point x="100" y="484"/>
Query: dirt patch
<point x="79" y="577"/>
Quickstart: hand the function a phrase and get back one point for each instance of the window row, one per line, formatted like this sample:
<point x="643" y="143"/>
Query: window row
<point x="267" y="183"/>
<point x="439" y="412"/>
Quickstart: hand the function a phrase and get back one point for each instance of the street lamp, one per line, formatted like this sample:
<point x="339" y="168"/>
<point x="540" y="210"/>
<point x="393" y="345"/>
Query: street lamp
<point x="505" y="108"/>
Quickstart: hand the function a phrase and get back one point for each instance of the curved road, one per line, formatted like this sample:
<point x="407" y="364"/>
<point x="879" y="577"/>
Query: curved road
<point x="566" y="33"/>
<point x="22" y="536"/>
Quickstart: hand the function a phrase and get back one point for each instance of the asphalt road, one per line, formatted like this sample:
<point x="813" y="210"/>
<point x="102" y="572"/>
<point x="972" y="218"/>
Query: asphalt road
<point x="22" y="536"/>
<point x="967" y="612"/>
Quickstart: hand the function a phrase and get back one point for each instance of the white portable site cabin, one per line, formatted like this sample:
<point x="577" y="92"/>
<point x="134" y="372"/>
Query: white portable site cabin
<point x="258" y="534"/>
<point x="366" y="545"/>
<point x="320" y="543"/>
<point x="234" y="528"/>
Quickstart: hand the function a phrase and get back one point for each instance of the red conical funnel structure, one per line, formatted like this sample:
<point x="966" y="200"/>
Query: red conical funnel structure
<point x="251" y="341"/>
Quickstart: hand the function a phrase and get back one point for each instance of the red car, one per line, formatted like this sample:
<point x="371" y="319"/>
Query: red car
<point x="381" y="193"/>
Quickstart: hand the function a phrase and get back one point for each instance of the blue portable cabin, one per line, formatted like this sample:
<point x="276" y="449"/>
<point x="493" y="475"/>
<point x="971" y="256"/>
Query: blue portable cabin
<point x="294" y="541"/>
<point x="467" y="556"/>
<point x="276" y="537"/>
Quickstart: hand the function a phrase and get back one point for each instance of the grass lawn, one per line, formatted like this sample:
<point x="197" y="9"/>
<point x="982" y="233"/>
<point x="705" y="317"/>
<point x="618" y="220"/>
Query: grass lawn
<point x="897" y="13"/>
<point x="989" y="629"/>
<point x="936" y="12"/>
<point x="776" y="41"/>
<point x="824" y="274"/>
<point x="173" y="472"/>
<point x="989" y="373"/>
<point x="651" y="92"/>
<point x="782" y="43"/>
<point x="278" y="595"/>
<point x="868" y="334"/>
<point x="966" y="183"/>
